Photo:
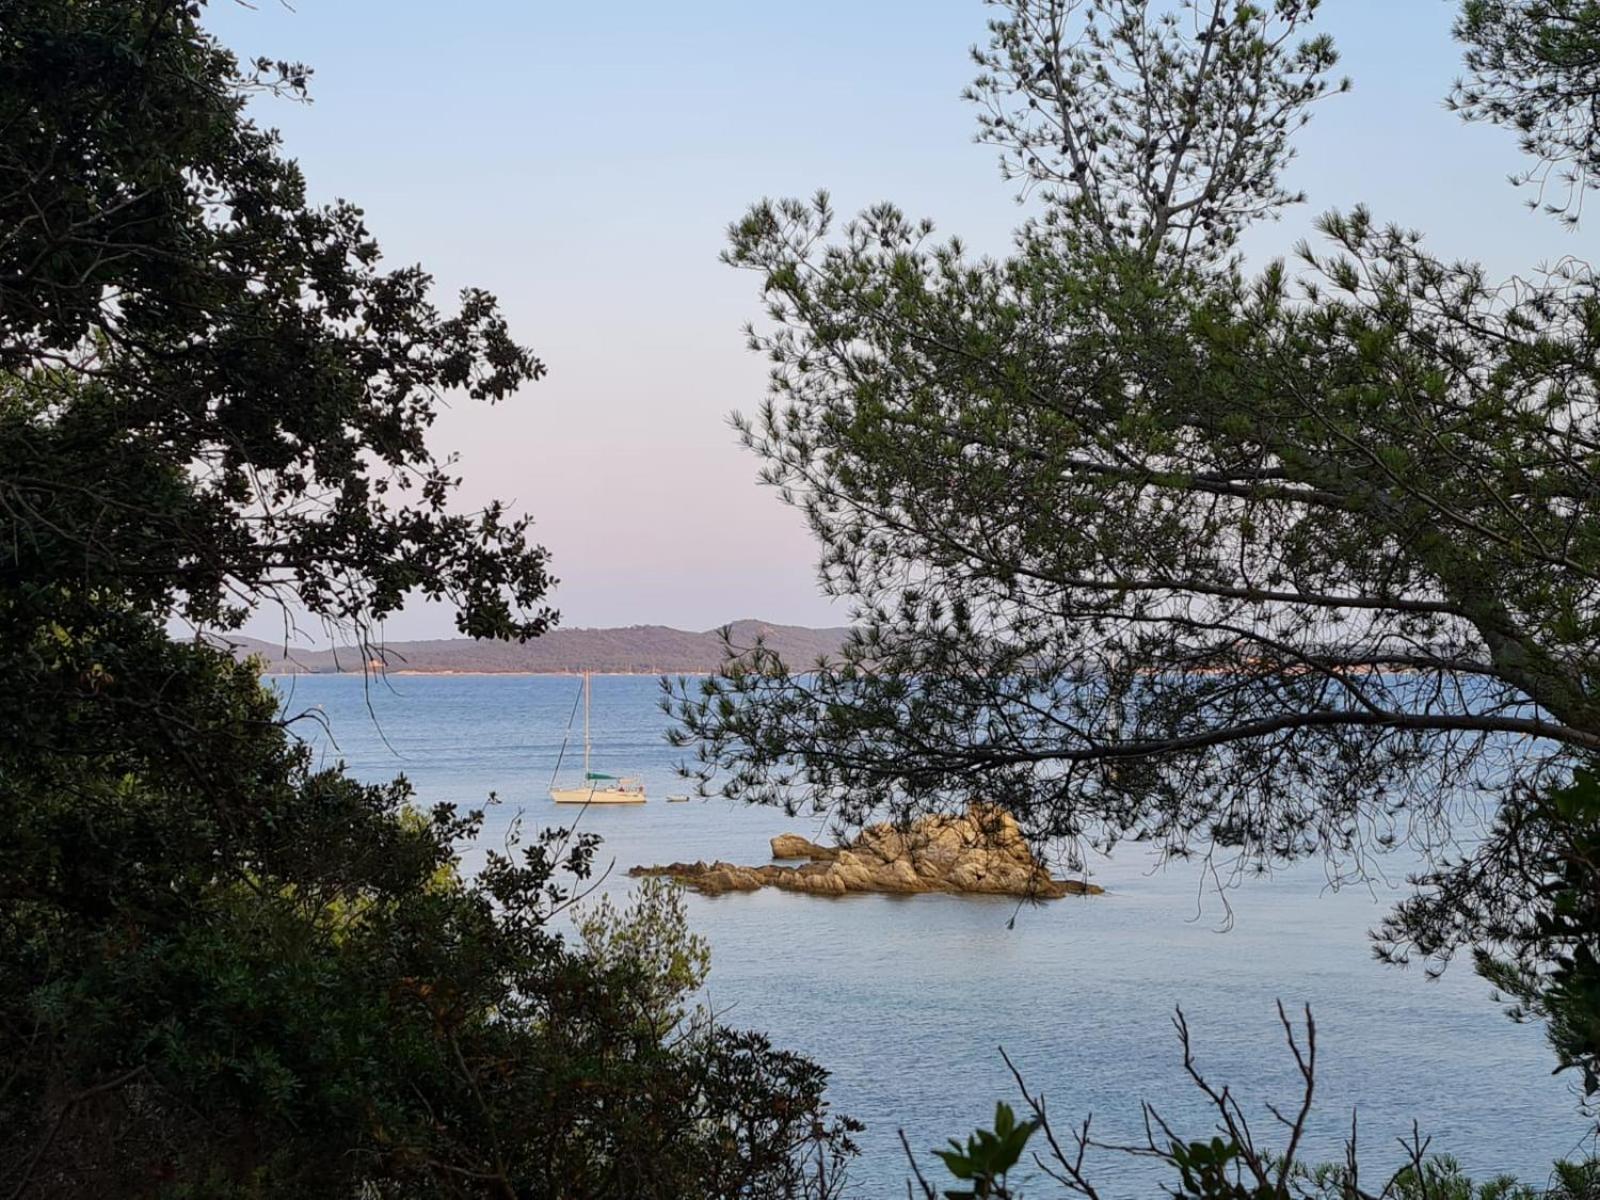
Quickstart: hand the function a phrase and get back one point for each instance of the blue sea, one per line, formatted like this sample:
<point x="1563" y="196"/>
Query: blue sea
<point x="908" y="1000"/>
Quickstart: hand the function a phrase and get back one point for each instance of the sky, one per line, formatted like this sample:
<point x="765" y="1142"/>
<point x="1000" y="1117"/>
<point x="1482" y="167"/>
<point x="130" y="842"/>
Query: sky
<point x="583" y="161"/>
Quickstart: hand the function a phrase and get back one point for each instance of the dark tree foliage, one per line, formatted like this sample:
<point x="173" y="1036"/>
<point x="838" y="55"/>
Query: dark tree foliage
<point x="215" y="390"/>
<point x="224" y="972"/>
<point x="1528" y="904"/>
<point x="1145" y="544"/>
<point x="274" y="983"/>
<point x="1535" y="68"/>
<point x="1165" y="125"/>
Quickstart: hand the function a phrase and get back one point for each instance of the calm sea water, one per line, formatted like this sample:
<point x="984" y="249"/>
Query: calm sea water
<point x="907" y="999"/>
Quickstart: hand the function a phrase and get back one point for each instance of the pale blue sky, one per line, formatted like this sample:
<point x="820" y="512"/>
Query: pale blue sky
<point x="582" y="162"/>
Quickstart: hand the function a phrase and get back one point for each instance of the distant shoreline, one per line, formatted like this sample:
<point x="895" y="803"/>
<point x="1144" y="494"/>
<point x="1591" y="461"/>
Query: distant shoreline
<point x="636" y="650"/>
<point x="480" y="674"/>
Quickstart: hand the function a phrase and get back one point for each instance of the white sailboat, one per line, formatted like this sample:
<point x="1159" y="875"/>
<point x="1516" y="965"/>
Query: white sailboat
<point x="596" y="788"/>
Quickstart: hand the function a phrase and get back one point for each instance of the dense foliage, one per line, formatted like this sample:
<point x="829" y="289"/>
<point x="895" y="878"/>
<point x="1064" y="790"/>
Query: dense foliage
<point x="224" y="971"/>
<point x="216" y="392"/>
<point x="1532" y="67"/>
<point x="1146" y="543"/>
<point x="1149" y="545"/>
<point x="1528" y="904"/>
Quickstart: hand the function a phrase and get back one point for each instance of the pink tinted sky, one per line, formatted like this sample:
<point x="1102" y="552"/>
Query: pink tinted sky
<point x="583" y="161"/>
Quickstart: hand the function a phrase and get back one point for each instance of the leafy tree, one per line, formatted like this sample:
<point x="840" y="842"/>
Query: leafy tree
<point x="1528" y="903"/>
<point x="224" y="396"/>
<point x="224" y="972"/>
<point x="1533" y="65"/>
<point x="652" y="936"/>
<point x="1149" y="545"/>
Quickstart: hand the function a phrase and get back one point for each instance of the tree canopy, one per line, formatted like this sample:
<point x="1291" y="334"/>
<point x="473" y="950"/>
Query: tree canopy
<point x="225" y="971"/>
<point x="1149" y="543"/>
<point x="1532" y="66"/>
<point x="225" y="395"/>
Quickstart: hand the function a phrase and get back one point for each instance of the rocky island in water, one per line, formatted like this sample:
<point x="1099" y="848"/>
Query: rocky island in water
<point x="980" y="852"/>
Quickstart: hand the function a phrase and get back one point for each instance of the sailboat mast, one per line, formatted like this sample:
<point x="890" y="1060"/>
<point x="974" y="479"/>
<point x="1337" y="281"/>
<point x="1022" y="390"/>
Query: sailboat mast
<point x="586" y="723"/>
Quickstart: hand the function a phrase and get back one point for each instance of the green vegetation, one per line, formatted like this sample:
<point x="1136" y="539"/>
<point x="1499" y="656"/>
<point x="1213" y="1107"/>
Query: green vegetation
<point x="1150" y="544"/>
<point x="1146" y="545"/>
<point x="987" y="1159"/>
<point x="224" y="972"/>
<point x="1232" y="1161"/>
<point x="668" y="962"/>
<point x="1529" y="904"/>
<point x="1532" y="65"/>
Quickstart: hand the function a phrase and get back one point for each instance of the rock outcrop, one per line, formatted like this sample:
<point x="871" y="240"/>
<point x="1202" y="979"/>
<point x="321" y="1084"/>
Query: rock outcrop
<point x="979" y="852"/>
<point x="792" y="845"/>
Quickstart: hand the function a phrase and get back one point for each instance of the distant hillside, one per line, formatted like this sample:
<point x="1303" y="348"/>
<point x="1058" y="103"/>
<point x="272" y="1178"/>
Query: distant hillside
<point x="637" y="649"/>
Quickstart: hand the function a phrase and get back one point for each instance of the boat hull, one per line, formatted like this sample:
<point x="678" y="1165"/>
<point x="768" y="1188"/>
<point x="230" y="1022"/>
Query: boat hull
<point x="588" y="795"/>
